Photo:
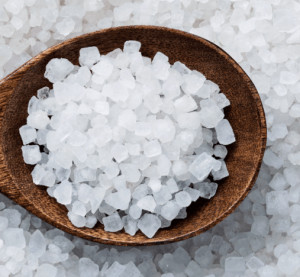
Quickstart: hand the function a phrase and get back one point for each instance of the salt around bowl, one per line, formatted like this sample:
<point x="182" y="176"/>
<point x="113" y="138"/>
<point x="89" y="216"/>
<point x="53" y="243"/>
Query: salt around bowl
<point x="245" y="114"/>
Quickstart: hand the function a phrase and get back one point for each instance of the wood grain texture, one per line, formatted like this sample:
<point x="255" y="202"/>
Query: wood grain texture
<point x="245" y="114"/>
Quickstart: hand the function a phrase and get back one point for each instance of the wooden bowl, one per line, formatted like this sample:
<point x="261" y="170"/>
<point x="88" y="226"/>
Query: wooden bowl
<point x="245" y="114"/>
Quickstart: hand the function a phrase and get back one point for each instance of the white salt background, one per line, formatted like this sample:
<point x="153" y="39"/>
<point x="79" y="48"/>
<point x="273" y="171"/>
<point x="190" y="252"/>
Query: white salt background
<point x="262" y="237"/>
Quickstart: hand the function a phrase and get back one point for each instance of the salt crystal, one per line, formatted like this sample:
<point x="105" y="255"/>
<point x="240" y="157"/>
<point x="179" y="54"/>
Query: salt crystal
<point x="120" y="199"/>
<point x="65" y="26"/>
<point x="31" y="154"/>
<point x="130" y="225"/>
<point x="131" y="172"/>
<point x="207" y="190"/>
<point x="185" y="104"/>
<point x="132" y="46"/>
<point x="63" y="192"/>
<point x="288" y="78"/>
<point x="119" y="152"/>
<point x="147" y="203"/>
<point x="112" y="223"/>
<point x="103" y="68"/>
<point x="37" y="244"/>
<point x="135" y="212"/>
<point x="276" y="202"/>
<point x="152" y="148"/>
<point x="235" y="264"/>
<point x="38" y="120"/>
<point x="28" y="134"/>
<point x="254" y="263"/>
<point x="224" y="132"/>
<point x="58" y="69"/>
<point x="164" y="130"/>
<point x="154" y="184"/>
<point x="89" y="56"/>
<point x="127" y="119"/>
<point x="14" y="237"/>
<point x="203" y="165"/>
<point x="260" y="226"/>
<point x="183" y="199"/>
<point x="78" y="208"/>
<point x="170" y="210"/>
<point x="149" y="224"/>
<point x="46" y="270"/>
<point x="288" y="263"/>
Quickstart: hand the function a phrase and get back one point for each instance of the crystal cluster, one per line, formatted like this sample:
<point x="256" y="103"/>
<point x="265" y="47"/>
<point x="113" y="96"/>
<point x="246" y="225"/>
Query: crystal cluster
<point x="122" y="138"/>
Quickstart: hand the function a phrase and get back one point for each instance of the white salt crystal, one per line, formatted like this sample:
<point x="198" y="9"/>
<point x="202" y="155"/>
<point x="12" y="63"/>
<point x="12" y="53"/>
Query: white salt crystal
<point x="103" y="68"/>
<point x="65" y="26"/>
<point x="190" y="120"/>
<point x="224" y="132"/>
<point x="147" y="203"/>
<point x="31" y="154"/>
<point x="154" y="184"/>
<point x="140" y="191"/>
<point x="119" y="152"/>
<point x="112" y="223"/>
<point x="295" y="110"/>
<point x="58" y="69"/>
<point x="210" y="115"/>
<point x="193" y="82"/>
<point x="77" y="220"/>
<point x="220" y="174"/>
<point x="254" y="263"/>
<point x="119" y="200"/>
<point x="276" y="202"/>
<point x="149" y="224"/>
<point x="130" y="225"/>
<point x="288" y="263"/>
<point x="162" y="196"/>
<point x="170" y="210"/>
<point x="135" y="212"/>
<point x="28" y="134"/>
<point x="88" y="268"/>
<point x="63" y="192"/>
<point x="179" y="168"/>
<point x="207" y="190"/>
<point x="183" y="199"/>
<point x="152" y="148"/>
<point x="78" y="208"/>
<point x="203" y="165"/>
<point x="127" y="119"/>
<point x="89" y="56"/>
<point x="235" y="264"/>
<point x="288" y="78"/>
<point x="14" y="237"/>
<point x="131" y="172"/>
<point x="260" y="226"/>
<point x="46" y="270"/>
<point x="172" y="185"/>
<point x="131" y="46"/>
<point x="164" y="130"/>
<point x="14" y="6"/>
<point x="102" y="107"/>
<point x="37" y="244"/>
<point x="185" y="104"/>
<point x="38" y="120"/>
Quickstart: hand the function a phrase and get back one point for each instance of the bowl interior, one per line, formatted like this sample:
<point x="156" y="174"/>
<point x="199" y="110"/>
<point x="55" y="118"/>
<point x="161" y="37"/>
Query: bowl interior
<point x="245" y="115"/>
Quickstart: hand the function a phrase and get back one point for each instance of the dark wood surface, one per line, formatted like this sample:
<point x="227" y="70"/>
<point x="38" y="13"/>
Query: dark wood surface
<point x="245" y="114"/>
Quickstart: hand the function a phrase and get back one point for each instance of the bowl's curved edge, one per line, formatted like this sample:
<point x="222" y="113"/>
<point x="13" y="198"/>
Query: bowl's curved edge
<point x="19" y="198"/>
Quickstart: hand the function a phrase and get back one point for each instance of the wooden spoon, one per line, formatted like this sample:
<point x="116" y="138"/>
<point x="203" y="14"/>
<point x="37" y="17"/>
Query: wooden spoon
<point x="245" y="114"/>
